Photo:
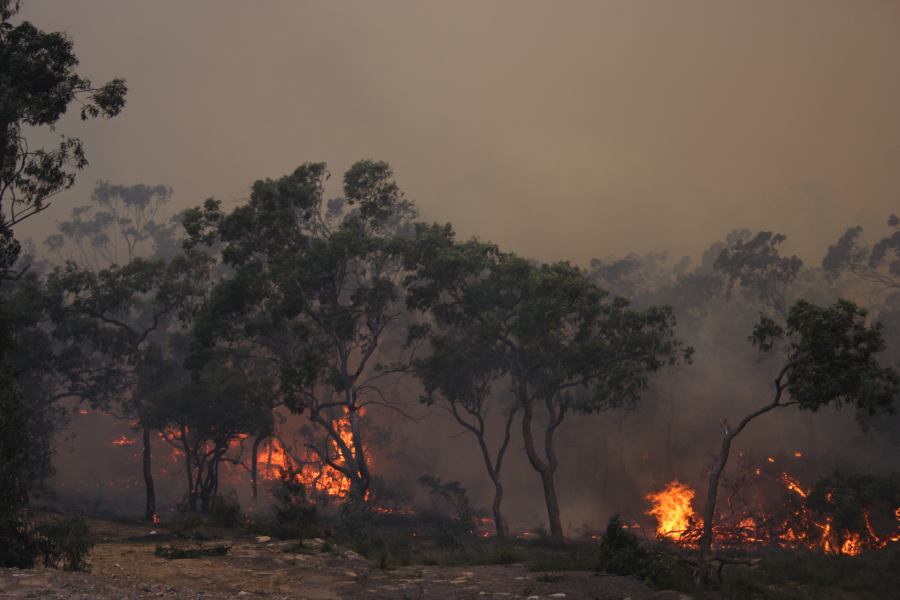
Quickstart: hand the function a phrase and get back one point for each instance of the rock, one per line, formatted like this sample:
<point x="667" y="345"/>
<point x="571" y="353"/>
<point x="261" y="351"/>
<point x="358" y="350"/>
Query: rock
<point x="262" y="539"/>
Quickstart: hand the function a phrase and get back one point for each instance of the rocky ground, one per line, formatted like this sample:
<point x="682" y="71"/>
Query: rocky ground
<point x="124" y="567"/>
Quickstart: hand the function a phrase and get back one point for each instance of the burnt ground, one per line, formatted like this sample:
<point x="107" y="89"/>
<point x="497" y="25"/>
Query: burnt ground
<point x="124" y="567"/>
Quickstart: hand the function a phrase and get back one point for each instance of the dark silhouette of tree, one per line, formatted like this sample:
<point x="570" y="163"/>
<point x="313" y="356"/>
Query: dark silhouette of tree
<point x="38" y="82"/>
<point x="566" y="345"/>
<point x="459" y="375"/>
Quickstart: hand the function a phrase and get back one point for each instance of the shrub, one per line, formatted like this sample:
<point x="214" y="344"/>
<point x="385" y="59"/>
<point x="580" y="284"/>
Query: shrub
<point x="226" y="510"/>
<point x="295" y="517"/>
<point x="621" y="553"/>
<point x="65" y="543"/>
<point x="19" y="546"/>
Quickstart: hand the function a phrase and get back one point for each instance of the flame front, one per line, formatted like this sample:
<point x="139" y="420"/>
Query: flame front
<point x="311" y="470"/>
<point x="677" y="522"/>
<point x="673" y="511"/>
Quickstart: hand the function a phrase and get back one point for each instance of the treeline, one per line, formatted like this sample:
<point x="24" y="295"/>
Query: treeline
<point x="200" y="327"/>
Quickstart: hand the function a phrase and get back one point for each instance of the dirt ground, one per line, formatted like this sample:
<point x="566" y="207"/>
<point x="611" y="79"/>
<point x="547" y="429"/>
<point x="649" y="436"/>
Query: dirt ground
<point x="124" y="567"/>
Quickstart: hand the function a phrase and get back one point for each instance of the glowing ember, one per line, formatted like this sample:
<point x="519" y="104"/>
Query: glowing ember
<point x="852" y="545"/>
<point x="123" y="440"/>
<point x="793" y="485"/>
<point x="673" y="511"/>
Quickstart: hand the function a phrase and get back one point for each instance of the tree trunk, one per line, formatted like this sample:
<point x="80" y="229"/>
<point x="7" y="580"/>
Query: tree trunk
<point x="150" y="511"/>
<point x="499" y="522"/>
<point x="712" y="493"/>
<point x="254" y="465"/>
<point x="709" y="511"/>
<point x="546" y="470"/>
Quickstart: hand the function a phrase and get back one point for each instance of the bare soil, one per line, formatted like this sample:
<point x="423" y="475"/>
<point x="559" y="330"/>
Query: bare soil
<point x="124" y="567"/>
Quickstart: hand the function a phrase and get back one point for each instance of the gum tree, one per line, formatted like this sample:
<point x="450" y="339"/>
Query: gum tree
<point x="565" y="345"/>
<point x="828" y="356"/>
<point x="316" y="287"/>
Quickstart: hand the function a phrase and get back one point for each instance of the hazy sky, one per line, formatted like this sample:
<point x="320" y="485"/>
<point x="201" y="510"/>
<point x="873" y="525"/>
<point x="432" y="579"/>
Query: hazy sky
<point x="557" y="129"/>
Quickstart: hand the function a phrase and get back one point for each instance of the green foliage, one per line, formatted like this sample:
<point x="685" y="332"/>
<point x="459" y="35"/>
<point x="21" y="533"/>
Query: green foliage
<point x="39" y="82"/>
<point x="65" y="543"/>
<point x="316" y="285"/>
<point x="831" y="357"/>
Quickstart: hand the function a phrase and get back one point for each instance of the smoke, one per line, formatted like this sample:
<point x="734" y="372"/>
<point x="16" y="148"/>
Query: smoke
<point x="559" y="131"/>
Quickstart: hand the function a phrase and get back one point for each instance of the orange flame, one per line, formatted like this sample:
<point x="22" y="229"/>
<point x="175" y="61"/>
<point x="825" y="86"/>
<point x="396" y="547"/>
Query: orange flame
<point x="673" y="511"/>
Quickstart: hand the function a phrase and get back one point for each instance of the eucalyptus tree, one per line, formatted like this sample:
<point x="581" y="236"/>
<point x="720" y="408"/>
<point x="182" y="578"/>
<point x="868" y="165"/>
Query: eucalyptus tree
<point x="316" y="288"/>
<point x="459" y="375"/>
<point x="565" y="345"/>
<point x="826" y="356"/>
<point x="38" y="83"/>
<point x="206" y="415"/>
<point x="756" y="265"/>
<point x="112" y="324"/>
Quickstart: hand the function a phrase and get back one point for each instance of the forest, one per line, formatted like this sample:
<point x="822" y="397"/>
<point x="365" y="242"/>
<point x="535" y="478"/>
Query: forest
<point x="325" y="366"/>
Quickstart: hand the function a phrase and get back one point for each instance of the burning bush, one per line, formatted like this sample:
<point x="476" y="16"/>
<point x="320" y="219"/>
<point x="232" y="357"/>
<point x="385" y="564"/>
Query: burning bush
<point x="863" y="509"/>
<point x="842" y="514"/>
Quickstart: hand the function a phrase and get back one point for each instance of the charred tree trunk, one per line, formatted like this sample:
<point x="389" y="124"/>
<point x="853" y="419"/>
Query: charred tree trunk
<point x="150" y="509"/>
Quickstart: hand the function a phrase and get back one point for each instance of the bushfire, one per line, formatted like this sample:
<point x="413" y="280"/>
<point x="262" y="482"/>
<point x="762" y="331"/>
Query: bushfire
<point x="310" y="469"/>
<point x="786" y="522"/>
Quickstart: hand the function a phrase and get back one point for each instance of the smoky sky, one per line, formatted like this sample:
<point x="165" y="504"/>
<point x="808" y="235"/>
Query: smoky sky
<point x="560" y="130"/>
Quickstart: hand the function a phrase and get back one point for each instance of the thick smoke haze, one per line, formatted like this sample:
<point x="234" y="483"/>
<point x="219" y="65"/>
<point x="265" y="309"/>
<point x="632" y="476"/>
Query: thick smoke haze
<point x="558" y="130"/>
<point x="561" y="131"/>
